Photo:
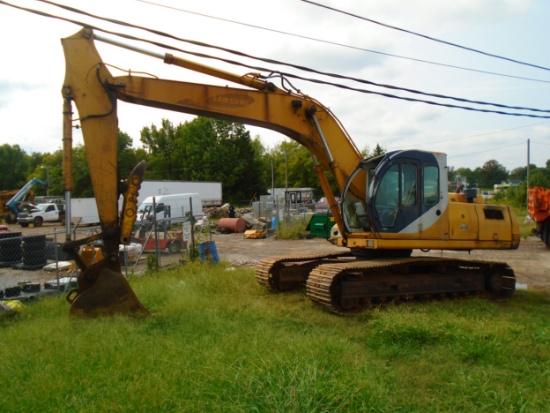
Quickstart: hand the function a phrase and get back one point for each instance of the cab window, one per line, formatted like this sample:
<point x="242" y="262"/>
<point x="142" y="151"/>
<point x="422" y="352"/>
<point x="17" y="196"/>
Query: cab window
<point x="354" y="206"/>
<point x="431" y="185"/>
<point x="387" y="197"/>
<point x="408" y="185"/>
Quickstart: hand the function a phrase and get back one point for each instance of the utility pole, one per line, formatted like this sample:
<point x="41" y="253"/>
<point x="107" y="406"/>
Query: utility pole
<point x="272" y="181"/>
<point x="528" y="167"/>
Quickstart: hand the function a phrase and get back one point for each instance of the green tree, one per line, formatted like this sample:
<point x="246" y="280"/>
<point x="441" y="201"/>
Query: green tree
<point x="264" y="162"/>
<point x="49" y="166"/>
<point x="37" y="165"/>
<point x="294" y="168"/>
<point x="163" y="149"/>
<point x="128" y="157"/>
<point x="54" y="162"/>
<point x="378" y="150"/>
<point x="81" y="174"/>
<point x="521" y="172"/>
<point x="290" y="169"/>
<point x="540" y="177"/>
<point x="15" y="167"/>
<point x="517" y="195"/>
<point x="217" y="150"/>
<point x="492" y="173"/>
<point x="466" y="174"/>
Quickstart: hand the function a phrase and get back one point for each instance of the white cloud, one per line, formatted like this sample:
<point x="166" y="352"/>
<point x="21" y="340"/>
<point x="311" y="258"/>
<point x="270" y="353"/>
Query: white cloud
<point x="33" y="67"/>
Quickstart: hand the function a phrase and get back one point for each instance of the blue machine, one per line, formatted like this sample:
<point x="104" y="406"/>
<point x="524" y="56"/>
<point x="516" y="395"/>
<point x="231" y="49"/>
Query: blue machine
<point x="13" y="203"/>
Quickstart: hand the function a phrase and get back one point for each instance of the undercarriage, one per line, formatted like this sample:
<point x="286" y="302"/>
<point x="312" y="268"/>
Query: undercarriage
<point x="344" y="284"/>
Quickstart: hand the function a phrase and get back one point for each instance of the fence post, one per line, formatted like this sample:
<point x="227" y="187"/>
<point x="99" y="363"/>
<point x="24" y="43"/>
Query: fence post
<point x="155" y="231"/>
<point x="192" y="218"/>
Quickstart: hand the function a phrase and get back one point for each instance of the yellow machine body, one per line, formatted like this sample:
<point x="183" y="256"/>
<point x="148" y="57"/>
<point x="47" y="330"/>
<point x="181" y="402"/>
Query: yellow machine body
<point x="434" y="220"/>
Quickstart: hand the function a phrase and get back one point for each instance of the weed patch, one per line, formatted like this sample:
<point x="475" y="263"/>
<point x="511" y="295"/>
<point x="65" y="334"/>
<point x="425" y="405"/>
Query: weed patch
<point x="217" y="342"/>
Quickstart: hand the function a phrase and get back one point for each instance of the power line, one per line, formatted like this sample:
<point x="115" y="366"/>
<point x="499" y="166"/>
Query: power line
<point x="299" y="67"/>
<point x="488" y="150"/>
<point x="426" y="37"/>
<point x="483" y="134"/>
<point x="257" y="68"/>
<point x="540" y="143"/>
<point x="344" y="45"/>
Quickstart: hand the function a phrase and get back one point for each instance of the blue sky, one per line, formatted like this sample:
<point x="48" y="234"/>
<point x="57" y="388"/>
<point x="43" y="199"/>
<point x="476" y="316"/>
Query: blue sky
<point x="32" y="71"/>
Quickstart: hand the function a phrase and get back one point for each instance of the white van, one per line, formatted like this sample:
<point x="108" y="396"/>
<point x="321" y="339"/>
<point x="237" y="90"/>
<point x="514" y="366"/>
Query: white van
<point x="170" y="206"/>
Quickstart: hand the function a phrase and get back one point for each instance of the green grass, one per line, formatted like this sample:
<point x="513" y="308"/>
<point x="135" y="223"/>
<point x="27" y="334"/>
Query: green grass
<point x="294" y="228"/>
<point x="526" y="227"/>
<point x="217" y="342"/>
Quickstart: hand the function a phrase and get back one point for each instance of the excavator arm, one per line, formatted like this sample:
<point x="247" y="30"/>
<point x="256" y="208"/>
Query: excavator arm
<point x="297" y="116"/>
<point x="95" y="92"/>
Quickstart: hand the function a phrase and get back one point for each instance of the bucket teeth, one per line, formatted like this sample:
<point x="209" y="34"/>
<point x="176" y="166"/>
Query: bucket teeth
<point x="109" y="295"/>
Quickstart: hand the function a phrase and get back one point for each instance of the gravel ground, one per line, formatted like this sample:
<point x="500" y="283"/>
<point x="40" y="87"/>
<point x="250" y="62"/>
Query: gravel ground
<point x="531" y="261"/>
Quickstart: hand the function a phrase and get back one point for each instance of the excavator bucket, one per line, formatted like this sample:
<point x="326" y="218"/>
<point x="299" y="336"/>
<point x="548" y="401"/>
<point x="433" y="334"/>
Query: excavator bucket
<point x="110" y="294"/>
<point x="101" y="288"/>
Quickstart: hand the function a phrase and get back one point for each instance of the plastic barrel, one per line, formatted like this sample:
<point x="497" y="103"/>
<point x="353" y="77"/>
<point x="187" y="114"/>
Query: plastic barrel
<point x="208" y="251"/>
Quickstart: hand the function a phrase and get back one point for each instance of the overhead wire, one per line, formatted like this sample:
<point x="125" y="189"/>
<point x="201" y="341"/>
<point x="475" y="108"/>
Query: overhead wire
<point x="426" y="37"/>
<point x="212" y="57"/>
<point x="254" y="26"/>
<point x="488" y="150"/>
<point x="303" y="68"/>
<point x="540" y="143"/>
<point x="482" y="134"/>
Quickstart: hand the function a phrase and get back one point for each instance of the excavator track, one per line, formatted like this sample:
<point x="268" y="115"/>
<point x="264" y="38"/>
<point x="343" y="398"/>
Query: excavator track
<point x="351" y="287"/>
<point x="287" y="273"/>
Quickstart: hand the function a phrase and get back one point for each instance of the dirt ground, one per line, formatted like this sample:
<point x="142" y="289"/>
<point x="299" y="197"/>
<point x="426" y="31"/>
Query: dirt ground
<point x="530" y="262"/>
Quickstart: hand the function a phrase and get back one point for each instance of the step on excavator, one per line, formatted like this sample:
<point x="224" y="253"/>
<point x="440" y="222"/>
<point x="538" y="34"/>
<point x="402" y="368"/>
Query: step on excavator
<point x="389" y="205"/>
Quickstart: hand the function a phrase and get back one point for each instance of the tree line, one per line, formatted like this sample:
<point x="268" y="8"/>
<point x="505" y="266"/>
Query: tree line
<point x="206" y="149"/>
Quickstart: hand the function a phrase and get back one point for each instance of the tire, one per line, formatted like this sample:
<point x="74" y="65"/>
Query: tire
<point x="545" y="232"/>
<point x="38" y="221"/>
<point x="174" y="247"/>
<point x="24" y="224"/>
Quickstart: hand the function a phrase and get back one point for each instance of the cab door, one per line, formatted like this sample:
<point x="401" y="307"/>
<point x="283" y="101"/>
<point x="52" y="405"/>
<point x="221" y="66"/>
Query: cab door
<point x="50" y="213"/>
<point x="397" y="197"/>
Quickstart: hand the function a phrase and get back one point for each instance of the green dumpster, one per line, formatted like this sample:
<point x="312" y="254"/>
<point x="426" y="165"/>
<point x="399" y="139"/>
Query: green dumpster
<point x="320" y="224"/>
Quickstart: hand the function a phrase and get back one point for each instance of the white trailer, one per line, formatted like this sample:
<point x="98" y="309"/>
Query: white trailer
<point x="84" y="211"/>
<point x="170" y="206"/>
<point x="209" y="192"/>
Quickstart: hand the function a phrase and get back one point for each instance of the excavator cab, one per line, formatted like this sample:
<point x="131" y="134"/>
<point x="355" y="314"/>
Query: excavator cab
<point x="394" y="193"/>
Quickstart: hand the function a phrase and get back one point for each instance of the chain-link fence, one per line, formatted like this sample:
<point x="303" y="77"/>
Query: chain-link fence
<point x="274" y="211"/>
<point x="35" y="264"/>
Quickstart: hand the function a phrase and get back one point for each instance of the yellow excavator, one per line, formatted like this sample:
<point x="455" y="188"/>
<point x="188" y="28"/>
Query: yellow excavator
<point x="390" y="204"/>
